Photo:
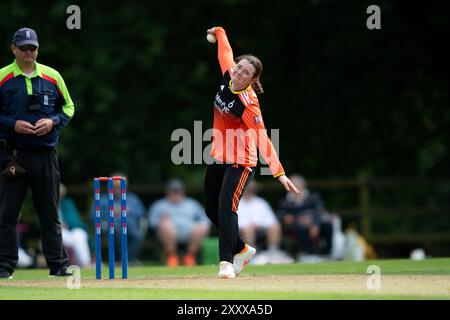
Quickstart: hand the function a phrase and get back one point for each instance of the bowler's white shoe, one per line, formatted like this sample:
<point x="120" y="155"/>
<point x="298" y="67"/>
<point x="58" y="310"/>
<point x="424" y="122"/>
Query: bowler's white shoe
<point x="226" y="270"/>
<point x="242" y="258"/>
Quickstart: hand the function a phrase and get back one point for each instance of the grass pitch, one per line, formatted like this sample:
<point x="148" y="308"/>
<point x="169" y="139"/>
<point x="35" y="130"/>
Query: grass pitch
<point x="400" y="279"/>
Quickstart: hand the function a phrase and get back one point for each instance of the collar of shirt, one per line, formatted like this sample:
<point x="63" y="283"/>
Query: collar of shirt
<point x="230" y="85"/>
<point x="17" y="71"/>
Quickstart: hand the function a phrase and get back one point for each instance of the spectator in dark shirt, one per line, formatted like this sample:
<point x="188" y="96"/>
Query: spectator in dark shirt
<point x="306" y="220"/>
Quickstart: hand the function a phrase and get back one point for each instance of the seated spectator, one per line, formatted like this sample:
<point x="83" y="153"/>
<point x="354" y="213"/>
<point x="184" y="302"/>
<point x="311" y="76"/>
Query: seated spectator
<point x="29" y="242"/>
<point x="26" y="257"/>
<point x="356" y="247"/>
<point x="306" y="219"/>
<point x="257" y="219"/>
<point x="177" y="219"/>
<point x="25" y="260"/>
<point x="74" y="234"/>
<point x="136" y="222"/>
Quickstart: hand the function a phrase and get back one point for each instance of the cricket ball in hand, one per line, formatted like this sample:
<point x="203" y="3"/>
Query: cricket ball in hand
<point x="211" y="38"/>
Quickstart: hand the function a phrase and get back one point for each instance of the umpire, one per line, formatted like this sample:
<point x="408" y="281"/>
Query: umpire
<point x="34" y="106"/>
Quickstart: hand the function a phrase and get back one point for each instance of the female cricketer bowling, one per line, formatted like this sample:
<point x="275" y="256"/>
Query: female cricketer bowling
<point x="238" y="131"/>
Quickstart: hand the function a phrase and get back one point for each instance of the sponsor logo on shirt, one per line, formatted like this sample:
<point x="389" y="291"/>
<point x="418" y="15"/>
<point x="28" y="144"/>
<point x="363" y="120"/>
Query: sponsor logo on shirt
<point x="221" y="105"/>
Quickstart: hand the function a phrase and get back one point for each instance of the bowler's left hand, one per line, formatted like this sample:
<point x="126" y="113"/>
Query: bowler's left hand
<point x="289" y="186"/>
<point x="43" y="126"/>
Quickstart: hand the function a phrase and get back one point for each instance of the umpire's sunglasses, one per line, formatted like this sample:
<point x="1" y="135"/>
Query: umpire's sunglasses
<point x="27" y="47"/>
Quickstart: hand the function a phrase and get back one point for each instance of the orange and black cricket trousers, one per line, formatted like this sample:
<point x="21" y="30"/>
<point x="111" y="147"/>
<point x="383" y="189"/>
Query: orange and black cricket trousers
<point x="224" y="185"/>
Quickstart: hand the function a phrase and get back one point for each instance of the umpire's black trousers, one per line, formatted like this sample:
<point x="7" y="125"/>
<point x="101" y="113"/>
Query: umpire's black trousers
<point x="224" y="185"/>
<point x="43" y="179"/>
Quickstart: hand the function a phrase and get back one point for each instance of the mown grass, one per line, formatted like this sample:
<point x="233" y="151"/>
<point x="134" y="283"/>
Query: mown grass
<point x="439" y="266"/>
